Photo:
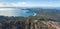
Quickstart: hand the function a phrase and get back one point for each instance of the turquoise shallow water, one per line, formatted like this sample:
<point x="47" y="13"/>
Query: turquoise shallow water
<point x="16" y="12"/>
<point x="24" y="13"/>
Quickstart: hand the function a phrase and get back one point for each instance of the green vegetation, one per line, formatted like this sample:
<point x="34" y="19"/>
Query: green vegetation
<point x="32" y="22"/>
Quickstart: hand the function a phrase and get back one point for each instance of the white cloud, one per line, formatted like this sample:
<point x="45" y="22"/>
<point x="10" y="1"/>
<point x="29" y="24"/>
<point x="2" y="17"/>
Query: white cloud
<point x="47" y="5"/>
<point x="26" y="4"/>
<point x="18" y="4"/>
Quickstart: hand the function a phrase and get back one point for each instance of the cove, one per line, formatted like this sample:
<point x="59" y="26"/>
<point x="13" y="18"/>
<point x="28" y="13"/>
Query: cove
<point x="16" y="12"/>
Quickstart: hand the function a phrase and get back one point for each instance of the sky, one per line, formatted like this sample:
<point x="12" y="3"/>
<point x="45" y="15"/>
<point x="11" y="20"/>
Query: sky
<point x="29" y="3"/>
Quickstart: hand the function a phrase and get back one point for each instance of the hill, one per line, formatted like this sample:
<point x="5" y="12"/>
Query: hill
<point x="50" y="13"/>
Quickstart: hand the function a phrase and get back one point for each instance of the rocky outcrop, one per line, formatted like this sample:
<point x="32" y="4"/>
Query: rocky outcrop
<point x="30" y="24"/>
<point x="37" y="24"/>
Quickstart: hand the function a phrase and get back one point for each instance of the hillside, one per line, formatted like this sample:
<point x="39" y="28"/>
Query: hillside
<point x="27" y="23"/>
<point x="37" y="24"/>
<point x="50" y="13"/>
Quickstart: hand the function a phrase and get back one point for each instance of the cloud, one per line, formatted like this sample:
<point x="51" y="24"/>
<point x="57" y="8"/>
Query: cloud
<point x="29" y="3"/>
<point x="18" y="4"/>
<point x="26" y="4"/>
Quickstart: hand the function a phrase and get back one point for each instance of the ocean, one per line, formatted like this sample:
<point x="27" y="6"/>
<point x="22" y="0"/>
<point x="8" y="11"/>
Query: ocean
<point x="15" y="12"/>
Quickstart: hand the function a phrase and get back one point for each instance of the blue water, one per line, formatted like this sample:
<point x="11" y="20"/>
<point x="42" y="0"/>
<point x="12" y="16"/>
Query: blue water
<point x="16" y="12"/>
<point x="58" y="20"/>
<point x="24" y="13"/>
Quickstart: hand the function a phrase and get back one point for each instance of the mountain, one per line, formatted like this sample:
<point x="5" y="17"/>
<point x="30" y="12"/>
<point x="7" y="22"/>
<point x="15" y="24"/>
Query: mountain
<point x="27" y="23"/>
